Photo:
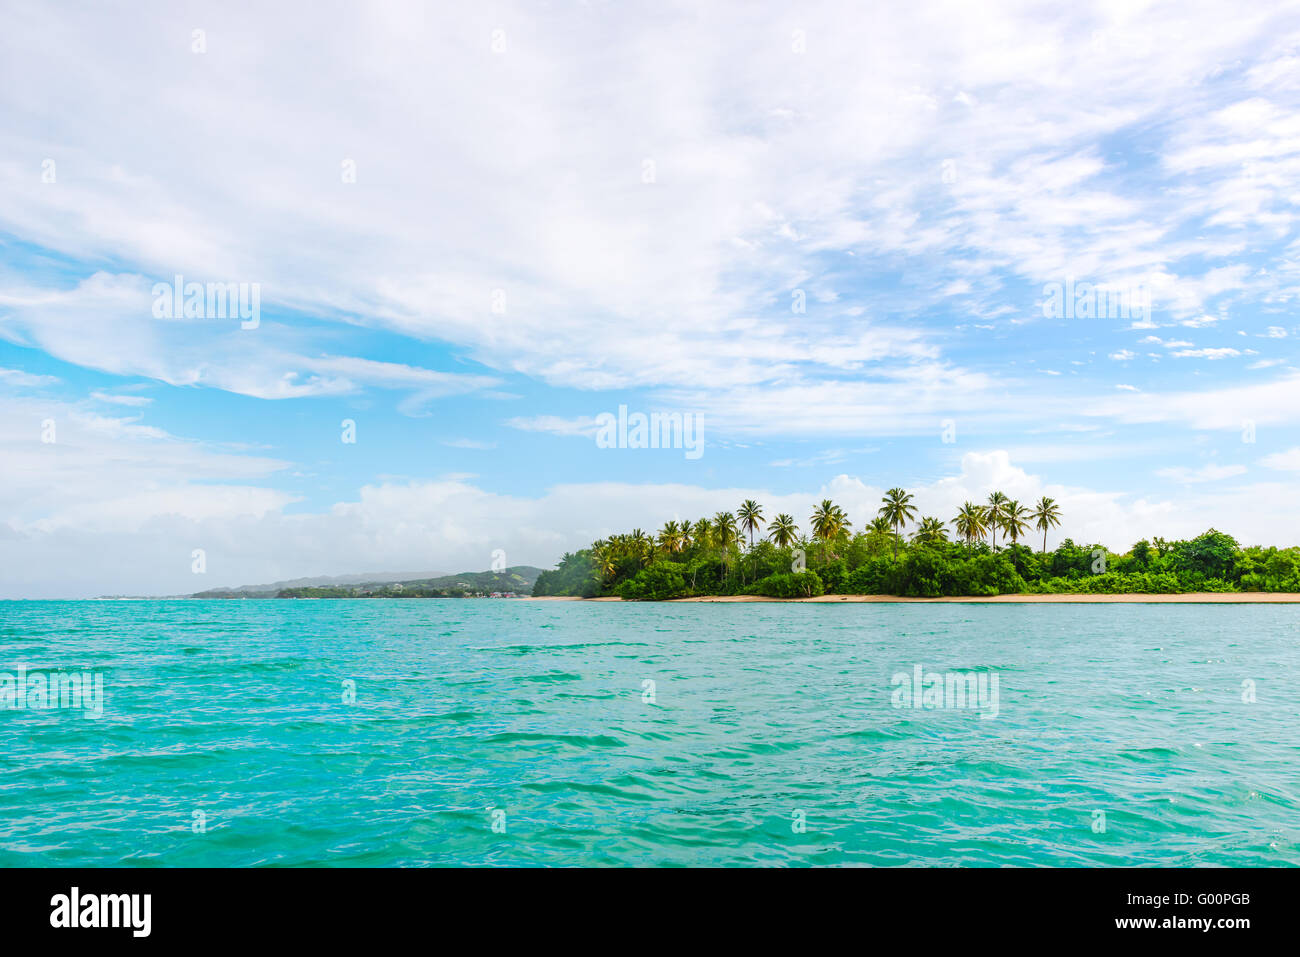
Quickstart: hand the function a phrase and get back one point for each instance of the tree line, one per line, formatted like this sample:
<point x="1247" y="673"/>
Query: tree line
<point x="898" y="552"/>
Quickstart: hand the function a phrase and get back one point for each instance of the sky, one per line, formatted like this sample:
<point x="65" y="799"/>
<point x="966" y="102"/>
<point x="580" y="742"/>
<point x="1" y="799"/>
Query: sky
<point x="1048" y="249"/>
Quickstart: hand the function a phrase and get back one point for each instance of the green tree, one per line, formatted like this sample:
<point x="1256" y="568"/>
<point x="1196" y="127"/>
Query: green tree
<point x="970" y="522"/>
<point x="656" y="582"/>
<point x="604" y="560"/>
<point x="724" y="536"/>
<point x="930" y="531"/>
<point x="1046" y="514"/>
<point x="751" y="516"/>
<point x="670" y="538"/>
<point x="640" y="546"/>
<point x="1015" y="520"/>
<point x="829" y="522"/>
<point x="783" y="531"/>
<point x="880" y="532"/>
<point x="724" y="530"/>
<point x="898" y="511"/>
<point x="993" y="515"/>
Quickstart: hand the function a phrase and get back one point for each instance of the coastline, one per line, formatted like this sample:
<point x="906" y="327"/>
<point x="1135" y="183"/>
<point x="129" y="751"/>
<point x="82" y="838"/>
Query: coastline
<point x="1185" y="598"/>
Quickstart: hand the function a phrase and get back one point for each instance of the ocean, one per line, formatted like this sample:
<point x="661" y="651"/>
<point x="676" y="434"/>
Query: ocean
<point x="521" y="733"/>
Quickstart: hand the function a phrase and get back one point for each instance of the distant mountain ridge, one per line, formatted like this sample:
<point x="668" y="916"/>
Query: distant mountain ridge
<point x="517" y="578"/>
<point x="321" y="581"/>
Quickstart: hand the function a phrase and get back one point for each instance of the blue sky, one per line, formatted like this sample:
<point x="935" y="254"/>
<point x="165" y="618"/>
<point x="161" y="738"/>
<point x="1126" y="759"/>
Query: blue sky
<point x="474" y="231"/>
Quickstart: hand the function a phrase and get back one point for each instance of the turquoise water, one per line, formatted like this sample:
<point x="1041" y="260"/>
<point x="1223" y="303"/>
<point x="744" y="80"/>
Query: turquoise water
<point x="764" y="715"/>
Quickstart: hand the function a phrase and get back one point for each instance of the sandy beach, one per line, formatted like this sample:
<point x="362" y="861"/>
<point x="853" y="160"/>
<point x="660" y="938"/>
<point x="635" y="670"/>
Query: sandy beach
<point x="1188" y="598"/>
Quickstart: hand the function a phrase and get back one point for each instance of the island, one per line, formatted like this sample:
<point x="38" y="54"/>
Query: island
<point x="738" y="556"/>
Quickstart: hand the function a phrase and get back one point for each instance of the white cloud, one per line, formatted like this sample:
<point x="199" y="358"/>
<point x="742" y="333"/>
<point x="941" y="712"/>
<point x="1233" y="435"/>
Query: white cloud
<point x="1206" y="473"/>
<point x="1288" y="461"/>
<point x="1222" y="353"/>
<point x="531" y="183"/>
<point x="68" y="467"/>
<point x="1267" y="403"/>
<point x="19" y="379"/>
<point x="118" y="399"/>
<point x="151" y="513"/>
<point x="106" y="322"/>
<point x="555" y="425"/>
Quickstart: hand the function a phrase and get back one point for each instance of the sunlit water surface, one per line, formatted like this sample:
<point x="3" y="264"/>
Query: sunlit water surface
<point x="1124" y="735"/>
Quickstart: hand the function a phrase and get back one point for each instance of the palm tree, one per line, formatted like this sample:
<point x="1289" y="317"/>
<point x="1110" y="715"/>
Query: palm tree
<point x="750" y="515"/>
<point x="1046" y="514"/>
<point x="880" y="530"/>
<point x="842" y="524"/>
<point x="829" y="522"/>
<point x="724" y="535"/>
<point x="971" y="522"/>
<point x="898" y="511"/>
<point x="670" y="537"/>
<point x="993" y="515"/>
<point x="702" y="533"/>
<point x="783" y="531"/>
<point x="930" y="530"/>
<point x="724" y="530"/>
<point x="603" y="557"/>
<point x="640" y="545"/>
<point x="1014" y="522"/>
<point x="822" y="518"/>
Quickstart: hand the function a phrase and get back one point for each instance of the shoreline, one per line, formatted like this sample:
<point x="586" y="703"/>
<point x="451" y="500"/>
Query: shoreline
<point x="1185" y="598"/>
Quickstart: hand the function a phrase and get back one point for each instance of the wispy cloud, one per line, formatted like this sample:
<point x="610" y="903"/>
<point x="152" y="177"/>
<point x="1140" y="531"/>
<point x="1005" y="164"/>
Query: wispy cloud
<point x="1206" y="473"/>
<point x="1288" y="461"/>
<point x="17" y="378"/>
<point x="119" y="399"/>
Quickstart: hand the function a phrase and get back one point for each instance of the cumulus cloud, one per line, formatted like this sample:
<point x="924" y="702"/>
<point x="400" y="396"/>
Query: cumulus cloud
<point x="149" y="512"/>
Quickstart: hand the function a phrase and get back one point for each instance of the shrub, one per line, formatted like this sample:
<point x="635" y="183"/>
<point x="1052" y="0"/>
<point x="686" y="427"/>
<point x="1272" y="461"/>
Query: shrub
<point x="806" y="584"/>
<point x="834" y="576"/>
<point x="870" y="578"/>
<point x="657" y="582"/>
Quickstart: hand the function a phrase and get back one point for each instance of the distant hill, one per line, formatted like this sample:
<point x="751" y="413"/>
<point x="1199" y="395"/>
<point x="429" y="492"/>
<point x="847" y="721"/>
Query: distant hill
<point x="320" y="581"/>
<point x="518" y="579"/>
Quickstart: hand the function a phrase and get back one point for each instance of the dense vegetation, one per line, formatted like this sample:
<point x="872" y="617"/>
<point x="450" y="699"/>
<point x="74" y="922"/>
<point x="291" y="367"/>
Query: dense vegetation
<point x="737" y="554"/>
